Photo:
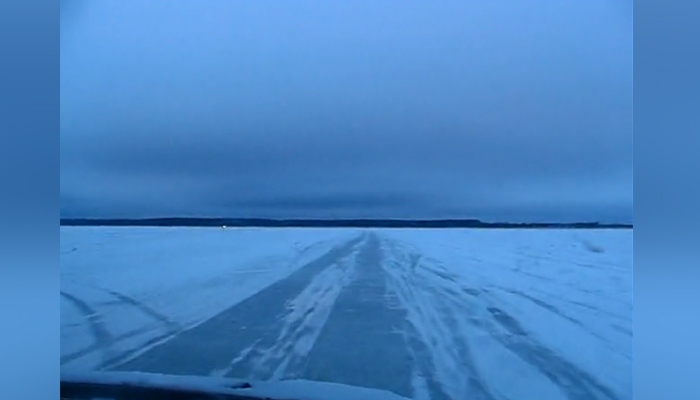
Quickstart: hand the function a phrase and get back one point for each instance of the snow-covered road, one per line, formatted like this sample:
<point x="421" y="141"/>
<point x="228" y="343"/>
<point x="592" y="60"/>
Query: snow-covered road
<point x="426" y="314"/>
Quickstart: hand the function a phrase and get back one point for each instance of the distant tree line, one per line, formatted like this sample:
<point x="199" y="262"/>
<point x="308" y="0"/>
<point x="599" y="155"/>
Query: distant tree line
<point x="334" y="223"/>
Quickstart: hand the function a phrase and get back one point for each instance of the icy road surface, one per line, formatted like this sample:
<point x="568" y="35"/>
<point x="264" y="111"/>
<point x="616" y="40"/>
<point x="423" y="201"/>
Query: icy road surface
<point x="426" y="314"/>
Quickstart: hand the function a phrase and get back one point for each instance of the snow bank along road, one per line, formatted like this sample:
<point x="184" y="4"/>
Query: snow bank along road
<point x="426" y="314"/>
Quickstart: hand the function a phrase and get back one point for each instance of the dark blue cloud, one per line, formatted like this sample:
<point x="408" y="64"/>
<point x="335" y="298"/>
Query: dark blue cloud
<point x="456" y="109"/>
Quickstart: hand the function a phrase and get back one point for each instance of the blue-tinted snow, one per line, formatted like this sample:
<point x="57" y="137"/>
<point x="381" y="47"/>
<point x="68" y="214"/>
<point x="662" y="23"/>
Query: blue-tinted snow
<point x="425" y="314"/>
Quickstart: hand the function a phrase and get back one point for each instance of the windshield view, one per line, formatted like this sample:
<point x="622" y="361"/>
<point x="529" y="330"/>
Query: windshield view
<point x="346" y="200"/>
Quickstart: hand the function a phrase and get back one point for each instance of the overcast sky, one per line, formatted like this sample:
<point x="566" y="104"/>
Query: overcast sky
<point x="500" y="110"/>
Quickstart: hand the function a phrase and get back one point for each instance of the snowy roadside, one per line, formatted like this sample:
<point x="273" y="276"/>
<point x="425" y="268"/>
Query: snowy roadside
<point x="125" y="288"/>
<point x="426" y="314"/>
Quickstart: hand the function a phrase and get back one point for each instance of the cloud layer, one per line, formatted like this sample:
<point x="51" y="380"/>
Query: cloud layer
<point x="462" y="109"/>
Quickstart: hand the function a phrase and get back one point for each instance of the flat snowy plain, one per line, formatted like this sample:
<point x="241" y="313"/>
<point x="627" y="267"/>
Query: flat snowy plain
<point x="424" y="313"/>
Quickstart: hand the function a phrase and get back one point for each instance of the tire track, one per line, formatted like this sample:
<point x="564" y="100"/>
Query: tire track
<point x="593" y="309"/>
<point x="94" y="347"/>
<point x="575" y="382"/>
<point x="443" y="360"/>
<point x="306" y="315"/>
<point x="73" y="250"/>
<point x="622" y="330"/>
<point x="101" y="335"/>
<point x="424" y="383"/>
<point x="171" y="326"/>
<point x="211" y="345"/>
<point x="362" y="343"/>
<point x="125" y="356"/>
<point x="574" y="321"/>
<point x="600" y="266"/>
<point x="108" y="341"/>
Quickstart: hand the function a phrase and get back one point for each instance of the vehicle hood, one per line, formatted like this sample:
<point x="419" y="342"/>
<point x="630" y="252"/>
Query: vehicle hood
<point x="142" y="385"/>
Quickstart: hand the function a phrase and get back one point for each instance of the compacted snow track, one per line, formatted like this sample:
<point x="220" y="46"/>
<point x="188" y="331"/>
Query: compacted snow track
<point x="460" y="314"/>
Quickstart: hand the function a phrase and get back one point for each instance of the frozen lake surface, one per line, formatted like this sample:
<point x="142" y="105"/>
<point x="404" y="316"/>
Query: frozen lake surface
<point x="426" y="314"/>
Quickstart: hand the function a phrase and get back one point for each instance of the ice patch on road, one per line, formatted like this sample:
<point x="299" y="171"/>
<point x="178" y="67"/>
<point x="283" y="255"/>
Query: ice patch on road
<point x="306" y="314"/>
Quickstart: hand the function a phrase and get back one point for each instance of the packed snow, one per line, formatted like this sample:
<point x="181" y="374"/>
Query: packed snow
<point x="422" y="313"/>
